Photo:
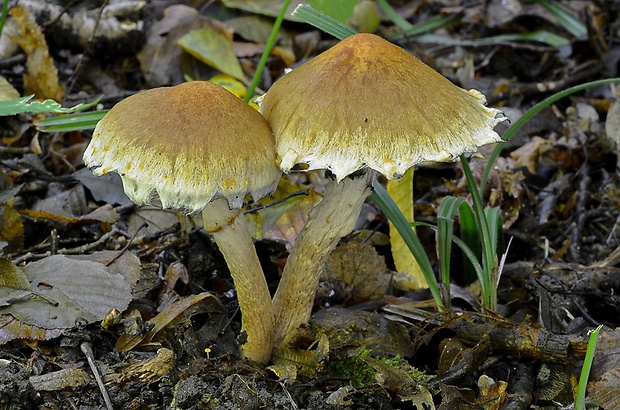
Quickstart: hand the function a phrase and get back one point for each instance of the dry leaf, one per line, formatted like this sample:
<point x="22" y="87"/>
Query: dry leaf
<point x="62" y="293"/>
<point x="60" y="380"/>
<point x="492" y="394"/>
<point x="11" y="229"/>
<point x="606" y="391"/>
<point x="529" y="155"/>
<point x="42" y="77"/>
<point x="359" y="265"/>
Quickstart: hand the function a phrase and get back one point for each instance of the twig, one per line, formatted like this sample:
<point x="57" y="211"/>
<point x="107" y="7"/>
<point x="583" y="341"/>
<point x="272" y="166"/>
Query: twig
<point x="279" y="201"/>
<point x="72" y="251"/>
<point x="580" y="210"/>
<point x="90" y="357"/>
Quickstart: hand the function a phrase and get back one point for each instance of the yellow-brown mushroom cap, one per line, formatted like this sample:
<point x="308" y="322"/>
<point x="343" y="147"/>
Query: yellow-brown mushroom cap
<point x="190" y="143"/>
<point x="368" y="103"/>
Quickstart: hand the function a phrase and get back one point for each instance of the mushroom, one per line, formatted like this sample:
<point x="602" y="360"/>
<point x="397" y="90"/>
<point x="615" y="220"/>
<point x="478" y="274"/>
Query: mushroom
<point x="363" y="107"/>
<point x="201" y="149"/>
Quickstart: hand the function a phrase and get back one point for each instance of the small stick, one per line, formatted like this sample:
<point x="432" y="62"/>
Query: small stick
<point x="90" y="357"/>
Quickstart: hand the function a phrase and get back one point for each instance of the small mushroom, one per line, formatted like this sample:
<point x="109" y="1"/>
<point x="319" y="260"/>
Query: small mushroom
<point x="201" y="149"/>
<point x="363" y="107"/>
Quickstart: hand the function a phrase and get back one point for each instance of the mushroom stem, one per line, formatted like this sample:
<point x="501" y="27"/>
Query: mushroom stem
<point x="234" y="240"/>
<point x="333" y="218"/>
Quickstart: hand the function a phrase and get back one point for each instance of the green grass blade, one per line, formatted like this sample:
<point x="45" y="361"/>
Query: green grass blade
<point x="572" y="24"/>
<point x="323" y="22"/>
<point x="268" y="47"/>
<point x="471" y="257"/>
<point x="445" y="232"/>
<point x="71" y="122"/>
<point x="398" y="21"/>
<point x="488" y="254"/>
<point x="512" y="130"/>
<point x="470" y="234"/>
<point x="580" y="397"/>
<point x="541" y="36"/>
<point x="467" y="251"/>
<point x="5" y="10"/>
<point x="494" y="219"/>
<point x="391" y="211"/>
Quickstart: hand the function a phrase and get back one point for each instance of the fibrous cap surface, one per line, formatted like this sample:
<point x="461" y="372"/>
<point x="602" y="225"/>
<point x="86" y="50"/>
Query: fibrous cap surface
<point x="369" y="103"/>
<point x="188" y="143"/>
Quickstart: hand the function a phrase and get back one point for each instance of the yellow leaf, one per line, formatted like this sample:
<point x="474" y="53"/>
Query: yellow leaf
<point x="213" y="48"/>
<point x="231" y="84"/>
<point x="401" y="190"/>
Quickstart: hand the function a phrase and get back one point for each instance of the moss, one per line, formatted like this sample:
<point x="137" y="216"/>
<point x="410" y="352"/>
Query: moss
<point x="354" y="369"/>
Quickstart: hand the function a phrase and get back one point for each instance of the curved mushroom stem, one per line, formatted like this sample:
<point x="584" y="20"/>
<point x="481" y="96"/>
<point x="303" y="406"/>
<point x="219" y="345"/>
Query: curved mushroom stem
<point x="234" y="240"/>
<point x="333" y="218"/>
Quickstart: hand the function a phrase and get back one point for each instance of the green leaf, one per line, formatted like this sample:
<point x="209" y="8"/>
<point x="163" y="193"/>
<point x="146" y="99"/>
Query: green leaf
<point x="24" y="104"/>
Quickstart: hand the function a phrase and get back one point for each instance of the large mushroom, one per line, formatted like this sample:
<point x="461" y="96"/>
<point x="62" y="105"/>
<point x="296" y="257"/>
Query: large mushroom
<point x="201" y="149"/>
<point x="363" y="107"/>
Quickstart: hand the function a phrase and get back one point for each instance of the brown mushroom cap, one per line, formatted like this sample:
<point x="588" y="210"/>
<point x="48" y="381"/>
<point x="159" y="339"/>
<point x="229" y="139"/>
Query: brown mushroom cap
<point x="368" y="102"/>
<point x="190" y="143"/>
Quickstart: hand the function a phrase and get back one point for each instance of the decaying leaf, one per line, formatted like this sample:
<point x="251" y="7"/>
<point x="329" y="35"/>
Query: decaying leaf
<point x="492" y="393"/>
<point x="60" y="380"/>
<point x="351" y="328"/>
<point x="11" y="276"/>
<point x="160" y="59"/>
<point x="62" y="293"/>
<point x="7" y="91"/>
<point x="106" y="188"/>
<point x="399" y="380"/>
<point x="606" y="391"/>
<point x="124" y="263"/>
<point x="12" y="329"/>
<point x="284" y="220"/>
<point x="148" y="370"/>
<point x="265" y="7"/>
<point x="359" y="265"/>
<point x="531" y="154"/>
<point x="176" y="272"/>
<point x="42" y="77"/>
<point x="150" y="219"/>
<point x="178" y="312"/>
<point x="306" y="362"/>
<point x="11" y="229"/>
<point x="341" y="396"/>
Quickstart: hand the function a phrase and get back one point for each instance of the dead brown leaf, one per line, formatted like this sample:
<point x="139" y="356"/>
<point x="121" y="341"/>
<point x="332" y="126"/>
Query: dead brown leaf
<point x="42" y="77"/>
